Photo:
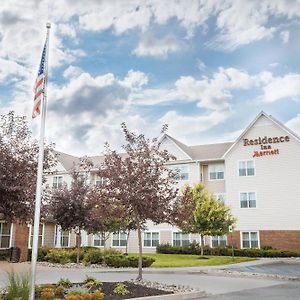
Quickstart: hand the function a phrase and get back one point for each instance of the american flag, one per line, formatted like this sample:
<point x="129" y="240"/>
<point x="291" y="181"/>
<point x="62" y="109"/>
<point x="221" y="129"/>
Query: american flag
<point x="39" y="84"/>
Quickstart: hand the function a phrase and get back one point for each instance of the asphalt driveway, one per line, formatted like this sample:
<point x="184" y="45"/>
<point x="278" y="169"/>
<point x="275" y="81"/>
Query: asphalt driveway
<point x="289" y="268"/>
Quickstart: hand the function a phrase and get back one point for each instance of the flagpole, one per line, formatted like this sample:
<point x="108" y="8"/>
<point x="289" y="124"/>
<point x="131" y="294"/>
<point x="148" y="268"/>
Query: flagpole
<point x="39" y="182"/>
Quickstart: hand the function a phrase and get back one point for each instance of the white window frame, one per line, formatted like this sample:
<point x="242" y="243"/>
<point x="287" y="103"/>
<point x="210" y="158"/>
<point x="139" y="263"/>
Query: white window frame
<point x="209" y="171"/>
<point x="31" y="233"/>
<point x="10" y="234"/>
<point x="178" y="166"/>
<point x="249" y="232"/>
<point x="178" y="231"/>
<point x="246" y="161"/>
<point x="217" y="195"/>
<point x="56" y="185"/>
<point x="112" y="239"/>
<point x="247" y="192"/>
<point x="58" y="237"/>
<point x="151" y="232"/>
<point x="99" y="179"/>
<point x="219" y="236"/>
<point x="98" y="234"/>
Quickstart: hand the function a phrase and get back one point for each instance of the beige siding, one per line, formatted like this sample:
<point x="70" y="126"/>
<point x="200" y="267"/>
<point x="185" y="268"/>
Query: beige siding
<point x="214" y="186"/>
<point x="172" y="148"/>
<point x="276" y="182"/>
<point x="49" y="234"/>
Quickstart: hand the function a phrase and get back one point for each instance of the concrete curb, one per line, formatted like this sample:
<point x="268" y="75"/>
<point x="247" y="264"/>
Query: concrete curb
<point x="179" y="296"/>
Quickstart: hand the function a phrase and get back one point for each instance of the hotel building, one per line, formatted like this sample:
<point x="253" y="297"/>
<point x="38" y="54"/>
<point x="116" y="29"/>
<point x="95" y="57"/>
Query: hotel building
<point x="257" y="176"/>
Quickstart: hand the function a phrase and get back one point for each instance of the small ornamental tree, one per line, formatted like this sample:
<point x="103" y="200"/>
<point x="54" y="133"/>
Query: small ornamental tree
<point x="70" y="207"/>
<point x="18" y="168"/>
<point x="197" y="211"/>
<point x="140" y="181"/>
<point x="106" y="215"/>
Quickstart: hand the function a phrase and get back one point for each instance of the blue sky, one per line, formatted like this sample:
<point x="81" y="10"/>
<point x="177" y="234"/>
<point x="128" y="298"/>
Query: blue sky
<point x="206" y="68"/>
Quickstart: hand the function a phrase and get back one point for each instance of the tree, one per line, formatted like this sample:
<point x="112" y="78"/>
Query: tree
<point x="71" y="206"/>
<point x="140" y="181"/>
<point x="18" y="168"/>
<point x="106" y="215"/>
<point x="197" y="211"/>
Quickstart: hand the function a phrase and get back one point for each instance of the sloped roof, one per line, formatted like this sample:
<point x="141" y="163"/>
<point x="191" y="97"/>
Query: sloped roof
<point x="203" y="152"/>
<point x="66" y="160"/>
<point x="209" y="151"/>
<point x="198" y="152"/>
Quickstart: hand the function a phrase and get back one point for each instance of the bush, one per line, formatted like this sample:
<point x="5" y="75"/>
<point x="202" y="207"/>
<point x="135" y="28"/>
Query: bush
<point x="93" y="256"/>
<point x="122" y="261"/>
<point x="77" y="291"/>
<point x="90" y="281"/>
<point x="4" y="254"/>
<point x="121" y="289"/>
<point x="60" y="256"/>
<point x="64" y="282"/>
<point x="73" y="255"/>
<point x="47" y="293"/>
<point x="97" y="295"/>
<point x="194" y="248"/>
<point x="111" y="251"/>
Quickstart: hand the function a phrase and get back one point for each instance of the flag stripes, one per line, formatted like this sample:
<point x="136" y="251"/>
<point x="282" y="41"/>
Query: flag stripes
<point x="39" y="84"/>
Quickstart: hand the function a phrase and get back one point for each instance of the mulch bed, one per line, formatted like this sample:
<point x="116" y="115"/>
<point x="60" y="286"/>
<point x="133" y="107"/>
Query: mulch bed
<point x="134" y="289"/>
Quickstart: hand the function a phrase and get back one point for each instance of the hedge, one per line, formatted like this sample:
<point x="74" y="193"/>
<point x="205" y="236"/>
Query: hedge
<point x="194" y="248"/>
<point x="4" y="254"/>
<point x="90" y="255"/>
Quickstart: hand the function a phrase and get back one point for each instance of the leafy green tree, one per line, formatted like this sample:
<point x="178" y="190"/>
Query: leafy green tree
<point x="197" y="211"/>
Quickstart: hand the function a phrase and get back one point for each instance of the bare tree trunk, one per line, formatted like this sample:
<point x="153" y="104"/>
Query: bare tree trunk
<point x="202" y="244"/>
<point x="126" y="251"/>
<point x="78" y="242"/>
<point x="140" y="276"/>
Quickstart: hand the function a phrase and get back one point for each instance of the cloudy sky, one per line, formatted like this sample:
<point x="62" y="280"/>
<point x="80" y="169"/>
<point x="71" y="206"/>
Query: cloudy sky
<point x="205" y="68"/>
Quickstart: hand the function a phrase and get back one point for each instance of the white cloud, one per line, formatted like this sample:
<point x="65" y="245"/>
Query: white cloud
<point x="294" y="124"/>
<point x="159" y="47"/>
<point x="201" y="65"/>
<point x="135" y="79"/>
<point x="11" y="69"/>
<point x="276" y="88"/>
<point x="183" y="127"/>
<point x="285" y="36"/>
<point x="212" y="93"/>
<point x="72" y="72"/>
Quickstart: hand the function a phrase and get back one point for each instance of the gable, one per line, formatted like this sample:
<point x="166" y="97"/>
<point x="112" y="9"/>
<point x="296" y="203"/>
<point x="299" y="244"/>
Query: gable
<point x="265" y="137"/>
<point x="174" y="149"/>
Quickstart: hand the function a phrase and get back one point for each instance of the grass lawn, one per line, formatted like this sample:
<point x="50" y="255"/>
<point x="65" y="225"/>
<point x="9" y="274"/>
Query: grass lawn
<point x="184" y="260"/>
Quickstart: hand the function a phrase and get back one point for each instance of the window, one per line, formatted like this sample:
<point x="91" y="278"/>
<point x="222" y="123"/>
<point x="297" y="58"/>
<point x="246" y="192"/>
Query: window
<point x="62" y="237"/>
<point x="151" y="239"/>
<point x="216" y="171"/>
<point x="248" y="199"/>
<point x="220" y="196"/>
<point x="5" y="231"/>
<point x="181" y="239"/>
<point x="57" y="182"/>
<point x="119" y="239"/>
<point x="250" y="239"/>
<point x="182" y="172"/>
<point x="40" y="236"/>
<point x="246" y="168"/>
<point x="100" y="180"/>
<point x="219" y="241"/>
<point x="99" y="240"/>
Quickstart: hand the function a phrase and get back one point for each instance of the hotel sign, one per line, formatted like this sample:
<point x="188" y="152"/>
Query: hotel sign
<point x="267" y="144"/>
